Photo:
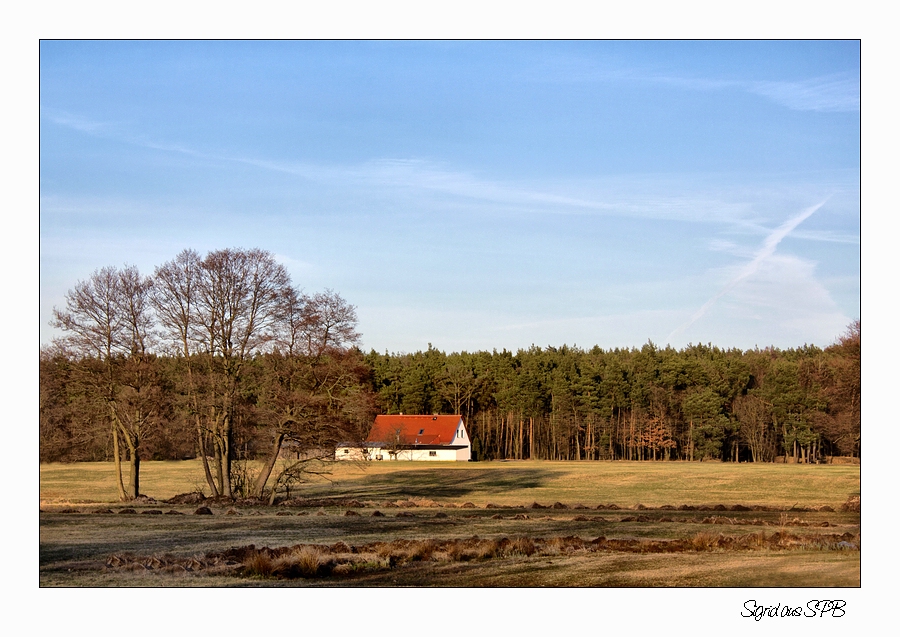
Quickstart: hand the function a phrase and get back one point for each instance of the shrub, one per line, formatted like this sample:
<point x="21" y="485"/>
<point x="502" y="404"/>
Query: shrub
<point x="421" y="551"/>
<point x="258" y="565"/>
<point x="486" y="549"/>
<point x="852" y="504"/>
<point x="383" y="549"/>
<point x="341" y="547"/>
<point x="704" y="541"/>
<point x="307" y="561"/>
<point x="517" y="546"/>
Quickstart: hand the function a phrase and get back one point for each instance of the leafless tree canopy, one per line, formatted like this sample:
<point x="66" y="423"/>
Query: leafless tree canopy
<point x="109" y="314"/>
<point x="108" y="322"/>
<point x="211" y="317"/>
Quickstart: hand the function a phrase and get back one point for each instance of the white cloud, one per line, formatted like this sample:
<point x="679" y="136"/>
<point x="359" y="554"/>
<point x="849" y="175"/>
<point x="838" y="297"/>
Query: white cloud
<point x="837" y="93"/>
<point x="782" y="303"/>
<point x="77" y="122"/>
<point x="826" y="236"/>
<point x="721" y="245"/>
<point x="749" y="269"/>
<point x="298" y="269"/>
<point x="828" y="94"/>
<point x="651" y="196"/>
<point x="794" y="300"/>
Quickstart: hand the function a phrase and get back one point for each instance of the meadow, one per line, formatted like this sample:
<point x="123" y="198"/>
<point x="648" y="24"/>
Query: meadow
<point x="461" y="524"/>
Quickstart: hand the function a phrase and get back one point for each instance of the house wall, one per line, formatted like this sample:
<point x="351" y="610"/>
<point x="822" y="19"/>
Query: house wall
<point x="462" y="437"/>
<point x="348" y="453"/>
<point x="356" y="453"/>
<point x="425" y="454"/>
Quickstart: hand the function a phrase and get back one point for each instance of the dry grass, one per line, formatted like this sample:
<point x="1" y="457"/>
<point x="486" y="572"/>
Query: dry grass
<point x="592" y="524"/>
<point x="259" y="565"/>
<point x="345" y="561"/>
<point x="305" y="561"/>
<point x="504" y="484"/>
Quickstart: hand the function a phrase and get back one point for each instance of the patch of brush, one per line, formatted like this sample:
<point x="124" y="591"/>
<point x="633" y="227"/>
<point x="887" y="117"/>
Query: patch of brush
<point x="345" y="560"/>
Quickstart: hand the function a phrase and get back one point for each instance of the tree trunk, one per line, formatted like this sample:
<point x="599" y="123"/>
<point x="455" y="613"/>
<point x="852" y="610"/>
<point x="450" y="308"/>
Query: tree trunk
<point x="135" y="475"/>
<point x="631" y="434"/>
<point x="217" y="459"/>
<point x="531" y="438"/>
<point x="612" y="435"/>
<point x="577" y="445"/>
<point x="520" y="447"/>
<point x="201" y="441"/>
<point x="118" y="460"/>
<point x="589" y="439"/>
<point x="691" y="441"/>
<point x="260" y="485"/>
<point x="226" y="457"/>
<point x="134" y="463"/>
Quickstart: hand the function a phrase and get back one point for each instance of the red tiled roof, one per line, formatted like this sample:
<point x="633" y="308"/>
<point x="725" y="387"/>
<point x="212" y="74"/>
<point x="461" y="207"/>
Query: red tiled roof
<point x="436" y="430"/>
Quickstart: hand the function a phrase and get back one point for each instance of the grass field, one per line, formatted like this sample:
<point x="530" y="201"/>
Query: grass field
<point x="449" y="524"/>
<point x="504" y="483"/>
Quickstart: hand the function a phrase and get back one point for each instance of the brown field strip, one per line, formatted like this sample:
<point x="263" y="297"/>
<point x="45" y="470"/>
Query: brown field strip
<point x="594" y="524"/>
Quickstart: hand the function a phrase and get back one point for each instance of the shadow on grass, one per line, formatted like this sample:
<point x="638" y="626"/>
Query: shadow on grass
<point x="434" y="483"/>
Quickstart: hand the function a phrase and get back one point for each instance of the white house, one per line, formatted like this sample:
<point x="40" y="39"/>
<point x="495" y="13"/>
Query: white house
<point x="412" y="438"/>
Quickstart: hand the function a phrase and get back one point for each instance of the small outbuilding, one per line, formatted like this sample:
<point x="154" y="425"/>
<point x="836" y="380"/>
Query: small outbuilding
<point x="402" y="437"/>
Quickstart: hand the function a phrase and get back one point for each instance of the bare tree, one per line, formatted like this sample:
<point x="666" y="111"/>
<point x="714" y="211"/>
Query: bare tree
<point x="311" y="394"/>
<point x="327" y="321"/>
<point x="108" y="322"/>
<point x="226" y="318"/>
<point x="175" y="298"/>
<point x="219" y="312"/>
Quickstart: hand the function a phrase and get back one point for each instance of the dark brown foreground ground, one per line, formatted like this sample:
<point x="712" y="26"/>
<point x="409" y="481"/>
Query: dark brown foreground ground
<point x="425" y="543"/>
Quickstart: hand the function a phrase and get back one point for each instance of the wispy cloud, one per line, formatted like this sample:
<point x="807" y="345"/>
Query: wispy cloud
<point x="826" y="236"/>
<point x="670" y="197"/>
<point x="766" y="250"/>
<point x="833" y="93"/>
<point x="787" y="295"/>
<point x="641" y="197"/>
<point x="828" y="94"/>
<point x="77" y="122"/>
<point x="665" y="197"/>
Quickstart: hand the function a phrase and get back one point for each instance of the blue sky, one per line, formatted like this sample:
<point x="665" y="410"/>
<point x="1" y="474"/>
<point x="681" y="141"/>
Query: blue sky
<point x="475" y="195"/>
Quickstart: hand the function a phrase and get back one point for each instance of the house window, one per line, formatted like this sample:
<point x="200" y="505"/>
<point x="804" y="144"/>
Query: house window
<point x="421" y="431"/>
<point x="346" y="451"/>
<point x="432" y="453"/>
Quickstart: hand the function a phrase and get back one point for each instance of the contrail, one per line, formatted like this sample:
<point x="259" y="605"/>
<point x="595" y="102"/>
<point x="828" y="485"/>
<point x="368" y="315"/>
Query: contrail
<point x="768" y="247"/>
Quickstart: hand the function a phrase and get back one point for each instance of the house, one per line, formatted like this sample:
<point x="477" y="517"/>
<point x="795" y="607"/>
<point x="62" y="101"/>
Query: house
<point x="404" y="437"/>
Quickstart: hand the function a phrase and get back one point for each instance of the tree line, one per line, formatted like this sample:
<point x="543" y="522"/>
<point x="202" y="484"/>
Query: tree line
<point x="221" y="357"/>
<point x="652" y="403"/>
